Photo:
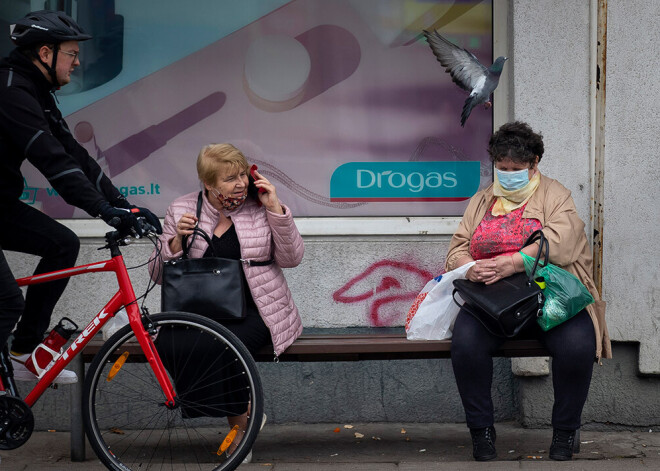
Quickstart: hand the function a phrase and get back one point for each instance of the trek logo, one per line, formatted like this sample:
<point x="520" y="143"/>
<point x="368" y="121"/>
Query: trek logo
<point x="405" y="181"/>
<point x="89" y="330"/>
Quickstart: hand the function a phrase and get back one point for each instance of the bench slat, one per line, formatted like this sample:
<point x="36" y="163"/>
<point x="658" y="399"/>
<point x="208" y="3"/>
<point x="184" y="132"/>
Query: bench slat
<point x="356" y="347"/>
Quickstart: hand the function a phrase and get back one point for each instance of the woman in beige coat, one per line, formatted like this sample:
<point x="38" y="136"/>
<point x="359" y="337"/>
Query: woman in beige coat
<point x="496" y="223"/>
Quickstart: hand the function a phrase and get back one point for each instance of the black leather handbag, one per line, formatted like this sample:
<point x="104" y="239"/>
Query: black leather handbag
<point x="507" y="306"/>
<point x="210" y="286"/>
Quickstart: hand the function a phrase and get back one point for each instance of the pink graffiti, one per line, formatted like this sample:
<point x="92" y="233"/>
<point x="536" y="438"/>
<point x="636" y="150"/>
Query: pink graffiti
<point x="388" y="286"/>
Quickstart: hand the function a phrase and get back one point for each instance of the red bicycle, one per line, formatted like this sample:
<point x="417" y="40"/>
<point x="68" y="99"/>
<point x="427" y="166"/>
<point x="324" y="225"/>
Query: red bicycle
<point x="141" y="397"/>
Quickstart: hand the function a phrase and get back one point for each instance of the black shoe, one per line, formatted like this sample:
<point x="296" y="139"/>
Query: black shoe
<point x="483" y="443"/>
<point x="563" y="445"/>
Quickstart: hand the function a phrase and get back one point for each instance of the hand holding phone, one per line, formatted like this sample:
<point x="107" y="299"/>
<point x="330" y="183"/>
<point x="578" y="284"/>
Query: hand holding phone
<point x="253" y="170"/>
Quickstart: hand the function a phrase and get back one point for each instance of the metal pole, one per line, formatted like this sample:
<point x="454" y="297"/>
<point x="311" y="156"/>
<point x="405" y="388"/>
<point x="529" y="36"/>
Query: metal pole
<point x="77" y="428"/>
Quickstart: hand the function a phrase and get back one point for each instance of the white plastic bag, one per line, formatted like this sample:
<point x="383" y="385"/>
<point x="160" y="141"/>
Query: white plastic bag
<point x="119" y="320"/>
<point x="437" y="311"/>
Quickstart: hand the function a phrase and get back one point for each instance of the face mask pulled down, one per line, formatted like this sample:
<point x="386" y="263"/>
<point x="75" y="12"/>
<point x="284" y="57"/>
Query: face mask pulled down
<point x="229" y="202"/>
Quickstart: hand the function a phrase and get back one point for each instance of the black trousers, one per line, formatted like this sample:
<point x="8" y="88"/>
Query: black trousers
<point x="215" y="387"/>
<point x="28" y="230"/>
<point x="571" y="344"/>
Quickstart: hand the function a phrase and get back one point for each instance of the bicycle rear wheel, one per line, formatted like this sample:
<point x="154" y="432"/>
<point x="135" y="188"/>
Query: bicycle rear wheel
<point x="214" y="376"/>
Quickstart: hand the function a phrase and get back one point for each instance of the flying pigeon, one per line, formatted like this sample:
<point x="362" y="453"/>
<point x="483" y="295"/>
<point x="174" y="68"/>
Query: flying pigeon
<point x="466" y="71"/>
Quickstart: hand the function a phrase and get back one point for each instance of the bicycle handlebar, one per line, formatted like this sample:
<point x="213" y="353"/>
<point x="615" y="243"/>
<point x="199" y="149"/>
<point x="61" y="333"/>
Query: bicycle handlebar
<point x="122" y="237"/>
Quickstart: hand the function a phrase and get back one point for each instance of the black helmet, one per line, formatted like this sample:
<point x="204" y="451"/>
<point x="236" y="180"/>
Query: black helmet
<point x="45" y="26"/>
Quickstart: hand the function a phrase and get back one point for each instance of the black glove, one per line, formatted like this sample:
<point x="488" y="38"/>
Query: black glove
<point x="122" y="219"/>
<point x="150" y="217"/>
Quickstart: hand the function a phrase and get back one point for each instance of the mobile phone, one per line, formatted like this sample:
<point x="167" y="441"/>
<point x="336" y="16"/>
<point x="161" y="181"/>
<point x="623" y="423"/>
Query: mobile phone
<point x="252" y="178"/>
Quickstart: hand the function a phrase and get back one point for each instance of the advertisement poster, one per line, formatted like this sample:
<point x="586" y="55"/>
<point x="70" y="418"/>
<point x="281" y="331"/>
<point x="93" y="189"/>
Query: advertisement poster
<point x="341" y="104"/>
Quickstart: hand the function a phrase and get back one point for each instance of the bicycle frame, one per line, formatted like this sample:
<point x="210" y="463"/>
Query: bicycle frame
<point x="125" y="296"/>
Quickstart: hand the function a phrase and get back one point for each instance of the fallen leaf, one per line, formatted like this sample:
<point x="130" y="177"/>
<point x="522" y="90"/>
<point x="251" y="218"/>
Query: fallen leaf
<point x="335" y="454"/>
<point x="422" y="450"/>
<point x="348" y="426"/>
<point x="337" y="430"/>
<point x="116" y="430"/>
<point x="407" y="439"/>
<point x="358" y="435"/>
<point x="375" y="438"/>
<point x="403" y="430"/>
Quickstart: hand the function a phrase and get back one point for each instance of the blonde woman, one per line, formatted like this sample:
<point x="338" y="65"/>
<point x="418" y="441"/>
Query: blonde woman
<point x="252" y="226"/>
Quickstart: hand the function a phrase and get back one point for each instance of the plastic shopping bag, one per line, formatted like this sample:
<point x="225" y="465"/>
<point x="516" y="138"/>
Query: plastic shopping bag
<point x="119" y="320"/>
<point x="432" y="315"/>
<point x="565" y="295"/>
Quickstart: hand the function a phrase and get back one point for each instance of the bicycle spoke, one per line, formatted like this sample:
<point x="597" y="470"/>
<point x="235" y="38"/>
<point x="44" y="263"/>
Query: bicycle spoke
<point x="129" y="425"/>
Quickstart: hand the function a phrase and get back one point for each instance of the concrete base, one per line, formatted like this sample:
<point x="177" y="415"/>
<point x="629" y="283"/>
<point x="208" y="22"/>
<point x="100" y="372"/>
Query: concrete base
<point x="421" y="391"/>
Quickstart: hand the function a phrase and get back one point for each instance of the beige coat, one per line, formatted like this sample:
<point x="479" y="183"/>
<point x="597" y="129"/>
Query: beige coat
<point x="553" y="206"/>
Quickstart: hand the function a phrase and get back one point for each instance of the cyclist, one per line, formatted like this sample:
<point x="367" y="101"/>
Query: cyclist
<point x="32" y="128"/>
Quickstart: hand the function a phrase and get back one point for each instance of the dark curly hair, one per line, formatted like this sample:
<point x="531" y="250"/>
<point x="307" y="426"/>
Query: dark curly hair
<point x="516" y="141"/>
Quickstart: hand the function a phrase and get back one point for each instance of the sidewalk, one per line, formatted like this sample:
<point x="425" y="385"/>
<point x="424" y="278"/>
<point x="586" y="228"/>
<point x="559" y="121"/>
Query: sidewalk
<point x="385" y="447"/>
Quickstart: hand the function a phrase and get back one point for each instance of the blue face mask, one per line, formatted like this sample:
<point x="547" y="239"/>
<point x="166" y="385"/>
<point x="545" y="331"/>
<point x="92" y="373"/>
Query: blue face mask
<point x="512" y="181"/>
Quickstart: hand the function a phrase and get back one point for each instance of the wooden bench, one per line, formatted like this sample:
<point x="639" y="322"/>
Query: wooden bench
<point x="363" y="344"/>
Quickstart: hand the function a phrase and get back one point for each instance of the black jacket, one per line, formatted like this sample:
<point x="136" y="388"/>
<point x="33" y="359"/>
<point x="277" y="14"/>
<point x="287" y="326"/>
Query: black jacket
<point x="32" y="128"/>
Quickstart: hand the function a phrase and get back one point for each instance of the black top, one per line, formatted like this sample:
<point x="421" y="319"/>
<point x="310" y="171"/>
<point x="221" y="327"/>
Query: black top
<point x="32" y="128"/>
<point x="228" y="246"/>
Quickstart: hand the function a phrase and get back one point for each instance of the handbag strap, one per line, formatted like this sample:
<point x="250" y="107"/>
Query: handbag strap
<point x="196" y="230"/>
<point x="544" y="248"/>
<point x="199" y="231"/>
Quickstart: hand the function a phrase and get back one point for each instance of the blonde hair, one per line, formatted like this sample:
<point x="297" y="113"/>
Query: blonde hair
<point x="216" y="158"/>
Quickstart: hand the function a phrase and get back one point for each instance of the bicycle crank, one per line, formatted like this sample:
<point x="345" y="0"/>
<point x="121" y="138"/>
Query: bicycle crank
<point x="16" y="422"/>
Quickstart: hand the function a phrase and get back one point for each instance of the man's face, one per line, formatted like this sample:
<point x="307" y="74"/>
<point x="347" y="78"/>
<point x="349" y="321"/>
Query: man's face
<point x="67" y="61"/>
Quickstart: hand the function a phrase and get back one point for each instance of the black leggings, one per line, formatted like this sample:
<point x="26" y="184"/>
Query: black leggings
<point x="28" y="230"/>
<point x="572" y="346"/>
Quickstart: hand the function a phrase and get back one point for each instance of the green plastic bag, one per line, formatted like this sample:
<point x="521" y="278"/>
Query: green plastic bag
<point x="565" y="295"/>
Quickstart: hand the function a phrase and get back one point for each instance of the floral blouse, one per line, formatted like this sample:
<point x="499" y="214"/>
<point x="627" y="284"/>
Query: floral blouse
<point x="501" y="235"/>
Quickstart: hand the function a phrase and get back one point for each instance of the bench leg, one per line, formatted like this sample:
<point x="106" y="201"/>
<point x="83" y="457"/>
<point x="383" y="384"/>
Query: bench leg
<point x="77" y="428"/>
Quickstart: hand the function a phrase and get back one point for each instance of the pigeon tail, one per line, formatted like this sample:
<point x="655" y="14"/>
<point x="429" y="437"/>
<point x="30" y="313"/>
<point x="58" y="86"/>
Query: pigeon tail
<point x="470" y="103"/>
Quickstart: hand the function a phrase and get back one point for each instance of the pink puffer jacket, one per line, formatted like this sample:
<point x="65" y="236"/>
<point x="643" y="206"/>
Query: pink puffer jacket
<point x="263" y="235"/>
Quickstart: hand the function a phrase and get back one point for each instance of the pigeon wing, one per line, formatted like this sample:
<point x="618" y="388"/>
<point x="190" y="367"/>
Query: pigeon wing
<point x="464" y="68"/>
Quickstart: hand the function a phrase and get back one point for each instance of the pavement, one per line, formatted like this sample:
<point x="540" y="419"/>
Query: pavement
<point x="388" y="447"/>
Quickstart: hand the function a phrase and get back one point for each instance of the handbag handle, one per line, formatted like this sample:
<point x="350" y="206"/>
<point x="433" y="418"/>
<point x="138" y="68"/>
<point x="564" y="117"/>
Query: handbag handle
<point x="205" y="236"/>
<point x="197" y="230"/>
<point x="543" y="243"/>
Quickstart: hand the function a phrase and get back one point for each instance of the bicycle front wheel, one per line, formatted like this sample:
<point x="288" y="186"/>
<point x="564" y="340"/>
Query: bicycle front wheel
<point x="214" y="376"/>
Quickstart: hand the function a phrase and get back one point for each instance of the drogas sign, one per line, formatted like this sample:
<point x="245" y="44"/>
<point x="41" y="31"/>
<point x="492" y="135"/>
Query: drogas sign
<point x="405" y="181"/>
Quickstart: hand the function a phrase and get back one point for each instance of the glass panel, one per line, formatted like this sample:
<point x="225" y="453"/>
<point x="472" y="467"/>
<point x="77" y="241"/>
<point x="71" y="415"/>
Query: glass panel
<point x="341" y="104"/>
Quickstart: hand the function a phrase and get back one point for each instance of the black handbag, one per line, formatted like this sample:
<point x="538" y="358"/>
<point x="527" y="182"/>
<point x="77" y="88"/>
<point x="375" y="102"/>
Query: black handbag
<point x="210" y="286"/>
<point x="507" y="306"/>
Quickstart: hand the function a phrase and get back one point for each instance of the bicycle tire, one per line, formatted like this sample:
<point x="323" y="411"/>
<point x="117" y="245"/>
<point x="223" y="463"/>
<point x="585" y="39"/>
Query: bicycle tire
<point x="126" y="420"/>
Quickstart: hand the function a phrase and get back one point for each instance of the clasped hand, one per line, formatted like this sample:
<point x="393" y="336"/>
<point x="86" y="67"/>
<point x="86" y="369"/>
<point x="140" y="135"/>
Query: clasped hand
<point x="491" y="270"/>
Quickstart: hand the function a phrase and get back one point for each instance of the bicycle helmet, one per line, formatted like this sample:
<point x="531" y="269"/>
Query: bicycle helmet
<point x="46" y="27"/>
